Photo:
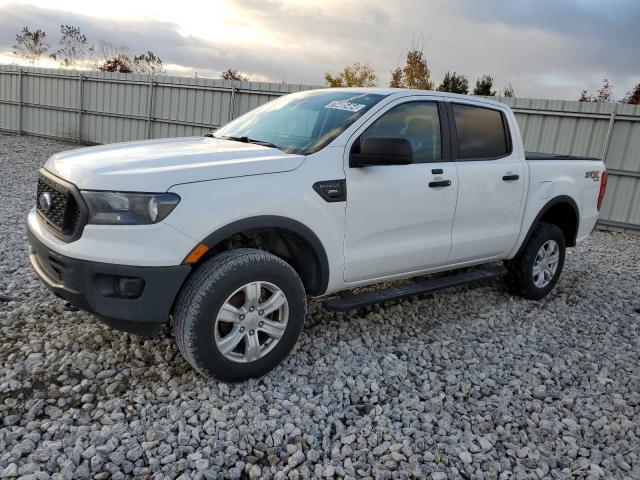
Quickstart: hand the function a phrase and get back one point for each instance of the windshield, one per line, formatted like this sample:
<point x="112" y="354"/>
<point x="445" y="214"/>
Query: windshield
<point x="301" y="123"/>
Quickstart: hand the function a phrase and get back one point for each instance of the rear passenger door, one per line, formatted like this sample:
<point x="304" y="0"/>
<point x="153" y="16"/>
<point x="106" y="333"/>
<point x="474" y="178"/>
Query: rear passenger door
<point x="491" y="176"/>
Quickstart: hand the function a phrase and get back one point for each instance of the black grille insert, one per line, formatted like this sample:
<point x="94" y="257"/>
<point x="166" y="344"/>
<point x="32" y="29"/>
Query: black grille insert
<point x="58" y="204"/>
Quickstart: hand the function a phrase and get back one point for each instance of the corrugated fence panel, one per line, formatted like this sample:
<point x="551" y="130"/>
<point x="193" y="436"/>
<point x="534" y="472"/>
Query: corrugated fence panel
<point x="624" y="149"/>
<point x="103" y="107"/>
<point x="622" y="200"/>
<point x="9" y="83"/>
<point x="9" y="98"/>
<point x="52" y="123"/>
<point x="602" y="130"/>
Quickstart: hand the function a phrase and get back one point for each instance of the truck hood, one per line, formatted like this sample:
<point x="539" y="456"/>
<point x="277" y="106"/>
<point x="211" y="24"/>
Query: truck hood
<point x="156" y="165"/>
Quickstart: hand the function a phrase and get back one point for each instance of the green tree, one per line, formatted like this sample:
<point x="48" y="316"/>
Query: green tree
<point x="72" y="46"/>
<point x="356" y="75"/>
<point x="414" y="74"/>
<point x="29" y="45"/>
<point x="454" y="83"/>
<point x="484" y="85"/>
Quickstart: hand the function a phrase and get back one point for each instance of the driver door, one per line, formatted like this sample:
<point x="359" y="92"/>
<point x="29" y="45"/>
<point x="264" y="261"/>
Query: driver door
<point x="399" y="217"/>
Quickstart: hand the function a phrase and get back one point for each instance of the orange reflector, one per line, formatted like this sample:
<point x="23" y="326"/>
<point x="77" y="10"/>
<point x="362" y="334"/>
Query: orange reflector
<point x="196" y="254"/>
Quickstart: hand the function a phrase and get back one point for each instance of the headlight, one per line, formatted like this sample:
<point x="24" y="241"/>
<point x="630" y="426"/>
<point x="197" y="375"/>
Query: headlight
<point x="116" y="208"/>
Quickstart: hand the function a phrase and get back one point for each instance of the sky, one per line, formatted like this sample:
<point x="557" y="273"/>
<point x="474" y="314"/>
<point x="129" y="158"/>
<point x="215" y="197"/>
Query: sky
<point x="544" y="48"/>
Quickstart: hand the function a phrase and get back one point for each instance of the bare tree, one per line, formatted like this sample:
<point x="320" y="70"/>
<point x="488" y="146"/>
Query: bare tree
<point x="115" y="58"/>
<point x="148" y="63"/>
<point x="605" y="92"/>
<point x="633" y="97"/>
<point x="356" y="75"/>
<point x="29" y="45"/>
<point x="106" y="51"/>
<point x="584" y="96"/>
<point x="119" y="63"/>
<point x="508" y="91"/>
<point x="233" y="74"/>
<point x="73" y="47"/>
<point x="603" y="95"/>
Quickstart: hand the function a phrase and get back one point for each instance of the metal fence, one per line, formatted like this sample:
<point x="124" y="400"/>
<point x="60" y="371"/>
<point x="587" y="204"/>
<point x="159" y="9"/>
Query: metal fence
<point x="101" y="107"/>
<point x="610" y="131"/>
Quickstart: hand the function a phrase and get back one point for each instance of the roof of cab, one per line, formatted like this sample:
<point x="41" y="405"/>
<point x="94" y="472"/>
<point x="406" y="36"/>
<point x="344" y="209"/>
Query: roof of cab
<point x="402" y="92"/>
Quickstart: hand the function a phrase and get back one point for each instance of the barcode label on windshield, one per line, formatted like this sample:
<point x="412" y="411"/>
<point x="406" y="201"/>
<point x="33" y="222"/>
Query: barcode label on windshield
<point x="344" y="105"/>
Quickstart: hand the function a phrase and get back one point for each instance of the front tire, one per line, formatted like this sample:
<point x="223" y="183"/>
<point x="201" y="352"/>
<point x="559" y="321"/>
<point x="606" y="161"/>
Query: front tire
<point x="239" y="314"/>
<point x="536" y="270"/>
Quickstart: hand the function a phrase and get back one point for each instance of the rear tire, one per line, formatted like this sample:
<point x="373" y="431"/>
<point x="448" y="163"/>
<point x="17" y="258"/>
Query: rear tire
<point x="537" y="268"/>
<point x="239" y="314"/>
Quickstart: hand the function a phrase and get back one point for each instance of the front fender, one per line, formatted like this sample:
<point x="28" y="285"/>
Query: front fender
<point x="214" y="210"/>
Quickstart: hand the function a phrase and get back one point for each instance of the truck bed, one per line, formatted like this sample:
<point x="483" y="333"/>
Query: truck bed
<point x="553" y="156"/>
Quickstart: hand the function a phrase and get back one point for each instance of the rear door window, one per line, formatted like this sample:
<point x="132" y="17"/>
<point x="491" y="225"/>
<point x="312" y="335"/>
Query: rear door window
<point x="481" y="132"/>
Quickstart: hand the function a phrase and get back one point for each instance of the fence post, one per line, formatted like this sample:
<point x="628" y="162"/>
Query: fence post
<point x="80" y="103"/>
<point x="607" y="138"/>
<point x="232" y="102"/>
<point x="150" y="107"/>
<point x="20" y="102"/>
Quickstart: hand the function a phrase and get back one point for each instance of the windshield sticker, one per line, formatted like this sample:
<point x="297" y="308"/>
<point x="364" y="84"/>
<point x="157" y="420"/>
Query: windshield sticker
<point x="344" y="105"/>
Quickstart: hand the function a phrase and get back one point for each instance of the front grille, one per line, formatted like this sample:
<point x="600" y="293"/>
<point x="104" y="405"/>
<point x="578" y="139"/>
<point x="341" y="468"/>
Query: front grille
<point x="64" y="213"/>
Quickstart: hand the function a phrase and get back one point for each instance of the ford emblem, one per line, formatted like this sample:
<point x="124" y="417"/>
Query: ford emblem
<point x="45" y="202"/>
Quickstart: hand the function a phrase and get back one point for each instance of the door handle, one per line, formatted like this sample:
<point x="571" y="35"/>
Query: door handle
<point x="440" y="183"/>
<point x="511" y="177"/>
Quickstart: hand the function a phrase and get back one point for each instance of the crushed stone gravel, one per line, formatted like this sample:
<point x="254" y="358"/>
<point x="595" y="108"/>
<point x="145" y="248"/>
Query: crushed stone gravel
<point x="469" y="383"/>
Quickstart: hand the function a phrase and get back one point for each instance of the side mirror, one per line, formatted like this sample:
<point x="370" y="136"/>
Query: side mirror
<point x="380" y="151"/>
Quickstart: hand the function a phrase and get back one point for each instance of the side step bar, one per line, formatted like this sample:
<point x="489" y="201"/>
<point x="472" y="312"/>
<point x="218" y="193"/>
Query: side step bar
<point x="346" y="301"/>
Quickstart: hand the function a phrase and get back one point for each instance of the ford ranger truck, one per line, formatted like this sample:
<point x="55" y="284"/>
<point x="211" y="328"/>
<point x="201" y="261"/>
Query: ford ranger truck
<point x="311" y="194"/>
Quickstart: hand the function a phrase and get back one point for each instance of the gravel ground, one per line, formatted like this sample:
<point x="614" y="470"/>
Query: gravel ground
<point x="471" y="383"/>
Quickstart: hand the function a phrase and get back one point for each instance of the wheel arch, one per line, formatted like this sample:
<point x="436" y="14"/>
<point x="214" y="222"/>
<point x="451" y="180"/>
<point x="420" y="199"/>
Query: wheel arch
<point x="561" y="211"/>
<point x="287" y="238"/>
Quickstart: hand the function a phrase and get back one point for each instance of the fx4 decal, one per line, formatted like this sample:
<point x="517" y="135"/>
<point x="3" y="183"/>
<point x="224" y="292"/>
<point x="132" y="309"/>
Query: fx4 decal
<point x="593" y="175"/>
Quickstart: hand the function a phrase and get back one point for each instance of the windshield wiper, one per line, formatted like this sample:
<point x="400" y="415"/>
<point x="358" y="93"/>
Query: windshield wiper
<point x="263" y="143"/>
<point x="250" y="140"/>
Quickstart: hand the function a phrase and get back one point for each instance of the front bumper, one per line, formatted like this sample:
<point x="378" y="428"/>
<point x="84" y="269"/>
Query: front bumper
<point x="132" y="298"/>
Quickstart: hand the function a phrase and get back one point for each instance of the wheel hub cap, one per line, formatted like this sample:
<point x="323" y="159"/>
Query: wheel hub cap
<point x="546" y="263"/>
<point x="251" y="322"/>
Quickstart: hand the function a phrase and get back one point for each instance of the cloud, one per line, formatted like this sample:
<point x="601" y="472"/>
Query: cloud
<point x="545" y="49"/>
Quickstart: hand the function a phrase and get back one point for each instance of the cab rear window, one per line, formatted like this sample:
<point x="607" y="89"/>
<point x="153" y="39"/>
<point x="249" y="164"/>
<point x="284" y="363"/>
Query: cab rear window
<point x="481" y="132"/>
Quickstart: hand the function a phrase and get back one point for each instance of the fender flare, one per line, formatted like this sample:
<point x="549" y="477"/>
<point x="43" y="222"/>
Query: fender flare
<point x="274" y="221"/>
<point x="554" y="201"/>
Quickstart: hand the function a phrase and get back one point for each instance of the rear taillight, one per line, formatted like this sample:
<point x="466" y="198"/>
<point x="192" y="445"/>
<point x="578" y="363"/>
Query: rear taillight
<point x="603" y="188"/>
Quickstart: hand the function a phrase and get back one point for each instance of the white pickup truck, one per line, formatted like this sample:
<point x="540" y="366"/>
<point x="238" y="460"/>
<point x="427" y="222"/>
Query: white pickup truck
<point x="314" y="193"/>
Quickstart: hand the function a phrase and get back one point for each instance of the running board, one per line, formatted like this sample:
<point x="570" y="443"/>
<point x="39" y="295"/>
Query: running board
<point x="346" y="301"/>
